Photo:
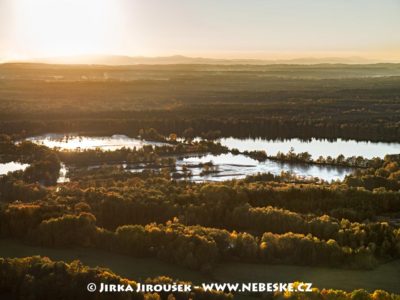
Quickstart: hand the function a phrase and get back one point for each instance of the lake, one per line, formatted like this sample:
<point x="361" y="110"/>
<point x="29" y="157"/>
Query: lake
<point x="315" y="147"/>
<point x="73" y="142"/>
<point x="231" y="166"/>
<point x="11" y="167"/>
<point x="16" y="166"/>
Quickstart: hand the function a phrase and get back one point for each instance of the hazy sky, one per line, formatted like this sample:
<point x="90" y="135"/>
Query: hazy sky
<point x="212" y="28"/>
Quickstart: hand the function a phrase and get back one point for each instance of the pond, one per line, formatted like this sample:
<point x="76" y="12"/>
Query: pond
<point x="63" y="174"/>
<point x="11" y="167"/>
<point x="16" y="166"/>
<point x="315" y="147"/>
<point x="229" y="166"/>
<point x="72" y="142"/>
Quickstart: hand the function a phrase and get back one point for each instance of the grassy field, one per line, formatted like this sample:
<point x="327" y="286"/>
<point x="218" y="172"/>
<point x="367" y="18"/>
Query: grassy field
<point x="386" y="277"/>
<point x="133" y="268"/>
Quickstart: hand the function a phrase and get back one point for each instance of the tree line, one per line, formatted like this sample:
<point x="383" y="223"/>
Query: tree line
<point x="197" y="247"/>
<point x="33" y="277"/>
<point x="39" y="278"/>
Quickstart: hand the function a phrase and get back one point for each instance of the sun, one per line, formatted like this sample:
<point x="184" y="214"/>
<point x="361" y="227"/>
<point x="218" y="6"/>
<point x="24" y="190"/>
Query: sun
<point x="67" y="27"/>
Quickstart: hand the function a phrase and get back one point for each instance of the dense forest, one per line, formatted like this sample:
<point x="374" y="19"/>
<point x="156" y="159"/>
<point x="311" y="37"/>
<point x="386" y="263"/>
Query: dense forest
<point x="323" y="101"/>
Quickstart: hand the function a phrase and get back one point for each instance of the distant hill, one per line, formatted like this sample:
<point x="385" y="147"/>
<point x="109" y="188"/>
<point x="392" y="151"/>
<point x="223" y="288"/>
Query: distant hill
<point x="179" y="59"/>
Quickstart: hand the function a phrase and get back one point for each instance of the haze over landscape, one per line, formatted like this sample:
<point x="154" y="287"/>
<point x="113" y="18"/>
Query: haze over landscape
<point x="355" y="31"/>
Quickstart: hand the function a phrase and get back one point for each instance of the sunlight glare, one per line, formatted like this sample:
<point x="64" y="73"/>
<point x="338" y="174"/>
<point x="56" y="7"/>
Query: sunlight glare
<point x="67" y="27"/>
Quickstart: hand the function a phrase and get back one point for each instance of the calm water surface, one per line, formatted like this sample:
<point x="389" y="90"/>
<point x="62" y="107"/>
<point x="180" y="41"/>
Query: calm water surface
<point x="11" y="167"/>
<point x="63" y="174"/>
<point x="231" y="166"/>
<point x="73" y="142"/>
<point x="315" y="147"/>
<point x="16" y="166"/>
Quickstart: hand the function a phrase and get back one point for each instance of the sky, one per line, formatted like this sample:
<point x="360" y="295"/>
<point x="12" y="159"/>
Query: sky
<point x="262" y="29"/>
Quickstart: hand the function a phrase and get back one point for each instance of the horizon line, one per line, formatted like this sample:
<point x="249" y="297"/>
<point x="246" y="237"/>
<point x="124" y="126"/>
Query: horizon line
<point x="80" y="59"/>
